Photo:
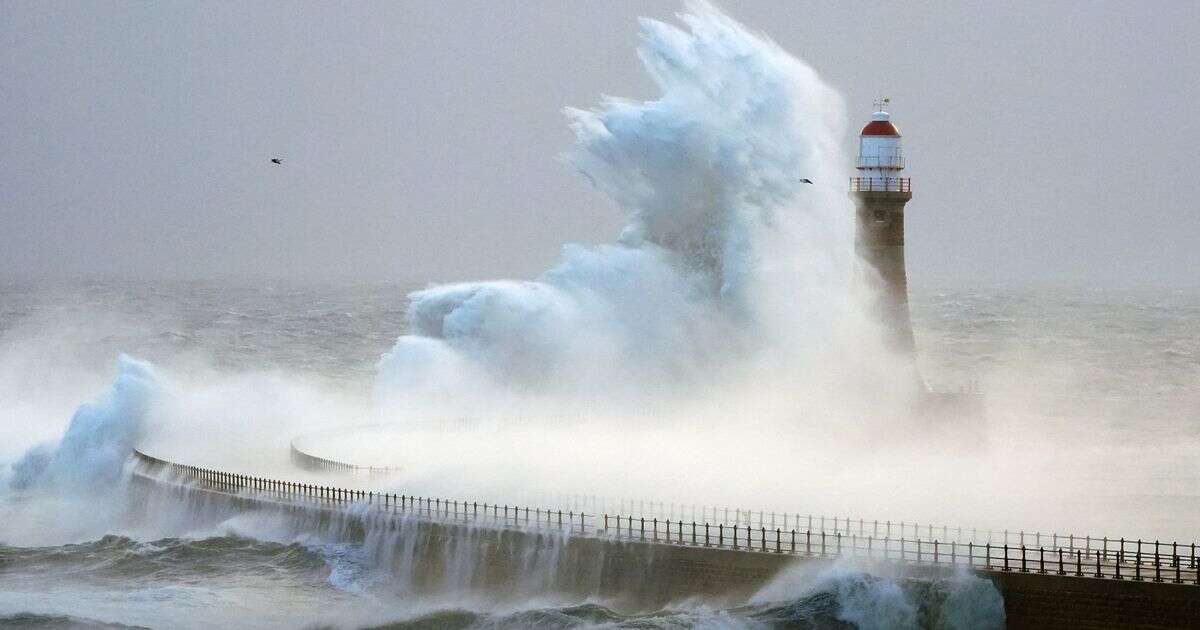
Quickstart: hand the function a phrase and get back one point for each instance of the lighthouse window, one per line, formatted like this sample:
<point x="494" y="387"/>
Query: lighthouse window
<point x="881" y="216"/>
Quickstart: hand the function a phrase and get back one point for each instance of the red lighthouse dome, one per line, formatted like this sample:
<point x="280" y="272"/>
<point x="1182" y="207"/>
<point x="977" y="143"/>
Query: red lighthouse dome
<point x="880" y="125"/>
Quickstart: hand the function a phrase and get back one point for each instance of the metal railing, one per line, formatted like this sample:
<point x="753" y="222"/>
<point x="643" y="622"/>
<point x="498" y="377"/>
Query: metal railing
<point x="880" y="184"/>
<point x="314" y="463"/>
<point x="847" y="527"/>
<point x="1117" y="559"/>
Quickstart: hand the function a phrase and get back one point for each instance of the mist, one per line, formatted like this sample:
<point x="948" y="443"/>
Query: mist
<point x="717" y="353"/>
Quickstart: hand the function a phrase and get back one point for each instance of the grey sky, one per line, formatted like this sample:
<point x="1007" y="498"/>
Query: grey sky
<point x="1050" y="141"/>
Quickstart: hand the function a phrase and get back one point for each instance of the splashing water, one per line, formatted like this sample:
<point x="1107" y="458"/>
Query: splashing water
<point x="726" y="257"/>
<point x="99" y="437"/>
<point x="727" y="271"/>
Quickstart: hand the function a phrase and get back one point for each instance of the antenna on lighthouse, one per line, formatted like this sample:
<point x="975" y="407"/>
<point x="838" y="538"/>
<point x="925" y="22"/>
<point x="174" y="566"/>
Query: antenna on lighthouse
<point x="881" y="104"/>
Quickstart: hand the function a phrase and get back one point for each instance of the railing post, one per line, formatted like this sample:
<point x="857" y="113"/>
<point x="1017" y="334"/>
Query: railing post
<point x="1006" y="554"/>
<point x="1078" y="563"/>
<point x="735" y="538"/>
<point x="1062" y="570"/>
<point x="808" y="544"/>
<point x="1041" y="560"/>
<point x="1024" y="568"/>
<point x="778" y="541"/>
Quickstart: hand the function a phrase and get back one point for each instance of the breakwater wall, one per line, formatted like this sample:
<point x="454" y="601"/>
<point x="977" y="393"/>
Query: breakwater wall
<point x="638" y="564"/>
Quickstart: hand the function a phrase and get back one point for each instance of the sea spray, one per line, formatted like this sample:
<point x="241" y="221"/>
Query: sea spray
<point x="98" y="439"/>
<point x="880" y="596"/>
<point x="726" y="256"/>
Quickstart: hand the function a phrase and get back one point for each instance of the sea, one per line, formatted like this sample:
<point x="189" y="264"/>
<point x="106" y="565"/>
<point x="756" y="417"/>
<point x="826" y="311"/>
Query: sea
<point x="1116" y="367"/>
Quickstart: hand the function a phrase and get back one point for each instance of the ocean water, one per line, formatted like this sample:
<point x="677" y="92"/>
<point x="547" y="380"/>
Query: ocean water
<point x="1122" y="366"/>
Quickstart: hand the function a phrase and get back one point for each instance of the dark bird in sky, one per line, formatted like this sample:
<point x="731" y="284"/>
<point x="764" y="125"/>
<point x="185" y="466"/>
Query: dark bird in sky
<point x="277" y="161"/>
<point x="805" y="180"/>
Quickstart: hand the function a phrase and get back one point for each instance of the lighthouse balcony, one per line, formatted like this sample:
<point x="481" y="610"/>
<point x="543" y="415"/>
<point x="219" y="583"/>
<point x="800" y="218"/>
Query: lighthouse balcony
<point x="880" y="184"/>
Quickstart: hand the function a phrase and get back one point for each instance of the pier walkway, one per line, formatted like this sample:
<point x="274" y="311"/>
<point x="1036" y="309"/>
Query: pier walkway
<point x="1065" y="556"/>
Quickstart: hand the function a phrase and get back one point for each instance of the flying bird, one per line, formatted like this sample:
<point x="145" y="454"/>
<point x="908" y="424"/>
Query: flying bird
<point x="805" y="180"/>
<point x="277" y="161"/>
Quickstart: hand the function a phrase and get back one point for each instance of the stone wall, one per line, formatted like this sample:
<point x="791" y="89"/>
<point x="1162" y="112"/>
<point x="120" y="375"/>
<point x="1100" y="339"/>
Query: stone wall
<point x="1050" y="601"/>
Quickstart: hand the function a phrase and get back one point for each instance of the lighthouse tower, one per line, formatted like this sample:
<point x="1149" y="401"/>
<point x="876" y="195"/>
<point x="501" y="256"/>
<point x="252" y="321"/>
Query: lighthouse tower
<point x="880" y="193"/>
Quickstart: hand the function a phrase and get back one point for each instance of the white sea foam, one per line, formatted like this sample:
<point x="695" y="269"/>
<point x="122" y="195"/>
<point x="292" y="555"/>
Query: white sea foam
<point x="727" y="262"/>
<point x="99" y="437"/>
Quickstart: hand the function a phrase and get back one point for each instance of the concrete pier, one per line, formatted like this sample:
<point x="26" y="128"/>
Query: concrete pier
<point x="445" y="546"/>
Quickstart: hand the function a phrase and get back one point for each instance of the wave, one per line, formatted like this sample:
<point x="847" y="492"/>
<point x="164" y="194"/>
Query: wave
<point x="855" y="600"/>
<point x="37" y="621"/>
<point x="168" y="559"/>
<point x="725" y="252"/>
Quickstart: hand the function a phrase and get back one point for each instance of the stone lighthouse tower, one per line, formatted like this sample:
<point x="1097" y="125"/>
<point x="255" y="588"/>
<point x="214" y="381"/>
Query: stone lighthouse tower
<point x="880" y="193"/>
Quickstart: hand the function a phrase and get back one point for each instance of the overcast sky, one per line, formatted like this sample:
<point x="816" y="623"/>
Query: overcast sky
<point x="1049" y="141"/>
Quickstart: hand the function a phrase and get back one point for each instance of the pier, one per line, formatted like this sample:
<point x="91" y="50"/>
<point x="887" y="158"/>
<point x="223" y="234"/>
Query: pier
<point x="649" y="561"/>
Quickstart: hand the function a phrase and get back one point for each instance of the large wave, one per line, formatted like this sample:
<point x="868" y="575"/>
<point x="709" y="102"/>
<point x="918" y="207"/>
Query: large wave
<point x="726" y="254"/>
<point x="98" y="439"/>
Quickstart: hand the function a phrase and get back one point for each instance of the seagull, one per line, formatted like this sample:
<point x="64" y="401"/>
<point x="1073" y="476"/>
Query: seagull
<point x="805" y="180"/>
<point x="277" y="161"/>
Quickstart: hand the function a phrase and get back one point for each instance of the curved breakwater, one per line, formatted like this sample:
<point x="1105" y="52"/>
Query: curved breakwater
<point x="504" y="553"/>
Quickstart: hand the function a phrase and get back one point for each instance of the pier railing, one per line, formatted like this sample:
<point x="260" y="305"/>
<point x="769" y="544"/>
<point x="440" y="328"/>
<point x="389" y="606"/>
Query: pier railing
<point x="848" y="527"/>
<point x="1118" y="559"/>
<point x="314" y="463"/>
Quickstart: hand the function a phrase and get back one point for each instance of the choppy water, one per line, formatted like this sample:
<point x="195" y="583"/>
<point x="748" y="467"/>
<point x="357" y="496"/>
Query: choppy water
<point x="242" y="582"/>
<point x="1126" y="363"/>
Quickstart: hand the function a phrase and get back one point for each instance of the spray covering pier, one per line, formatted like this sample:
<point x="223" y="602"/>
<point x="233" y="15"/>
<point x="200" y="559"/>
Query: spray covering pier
<point x="644" y="561"/>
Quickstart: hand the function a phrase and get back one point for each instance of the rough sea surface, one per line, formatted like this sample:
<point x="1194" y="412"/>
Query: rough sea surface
<point x="1121" y="363"/>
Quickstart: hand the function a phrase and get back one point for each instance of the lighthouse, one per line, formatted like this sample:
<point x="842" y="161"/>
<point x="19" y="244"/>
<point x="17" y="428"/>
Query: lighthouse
<point x="880" y="193"/>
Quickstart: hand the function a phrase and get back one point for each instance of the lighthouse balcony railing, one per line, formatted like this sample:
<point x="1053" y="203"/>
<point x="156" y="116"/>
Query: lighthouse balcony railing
<point x="880" y="184"/>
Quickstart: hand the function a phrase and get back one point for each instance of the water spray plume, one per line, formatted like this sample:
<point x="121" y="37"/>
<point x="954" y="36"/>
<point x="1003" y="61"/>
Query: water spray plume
<point x="728" y="264"/>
